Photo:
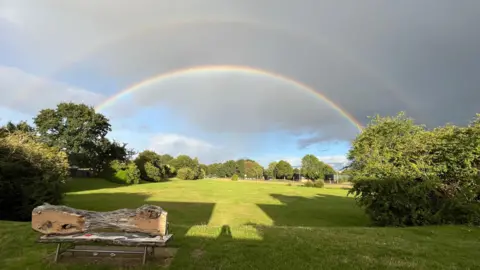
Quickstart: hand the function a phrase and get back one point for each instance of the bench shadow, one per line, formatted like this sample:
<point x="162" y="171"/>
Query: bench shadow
<point x="319" y="211"/>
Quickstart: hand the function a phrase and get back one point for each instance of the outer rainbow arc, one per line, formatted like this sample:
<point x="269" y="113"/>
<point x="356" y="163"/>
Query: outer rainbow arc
<point x="225" y="68"/>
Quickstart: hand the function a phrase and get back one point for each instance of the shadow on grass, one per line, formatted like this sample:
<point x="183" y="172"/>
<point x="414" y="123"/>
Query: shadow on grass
<point x="289" y="246"/>
<point x="181" y="215"/>
<point x="319" y="211"/>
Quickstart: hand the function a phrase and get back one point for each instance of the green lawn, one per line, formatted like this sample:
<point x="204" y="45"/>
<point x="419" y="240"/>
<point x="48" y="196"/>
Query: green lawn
<point x="257" y="225"/>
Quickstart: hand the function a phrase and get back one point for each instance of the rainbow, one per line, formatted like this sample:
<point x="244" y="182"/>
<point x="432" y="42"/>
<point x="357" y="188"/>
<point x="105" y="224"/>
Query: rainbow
<point x="224" y="68"/>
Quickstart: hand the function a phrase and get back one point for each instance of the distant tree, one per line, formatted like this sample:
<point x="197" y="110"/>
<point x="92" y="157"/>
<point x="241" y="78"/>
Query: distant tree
<point x="215" y="170"/>
<point x="271" y="171"/>
<point x="142" y="159"/>
<point x="284" y="170"/>
<point x="184" y="161"/>
<point x="253" y="169"/>
<point x="296" y="173"/>
<point x="312" y="167"/>
<point x="229" y="168"/>
<point x="152" y="168"/>
<point x="240" y="167"/>
<point x="10" y="127"/>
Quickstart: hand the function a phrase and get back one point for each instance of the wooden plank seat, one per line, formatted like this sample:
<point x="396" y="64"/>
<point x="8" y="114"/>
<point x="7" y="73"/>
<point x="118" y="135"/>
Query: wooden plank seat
<point x="148" y="242"/>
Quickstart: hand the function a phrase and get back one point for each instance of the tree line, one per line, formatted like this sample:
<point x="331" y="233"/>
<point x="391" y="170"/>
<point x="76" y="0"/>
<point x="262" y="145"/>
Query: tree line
<point x="81" y="133"/>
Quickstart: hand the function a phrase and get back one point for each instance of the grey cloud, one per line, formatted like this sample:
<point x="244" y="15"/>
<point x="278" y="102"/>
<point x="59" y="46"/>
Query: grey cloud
<point x="27" y="93"/>
<point x="368" y="57"/>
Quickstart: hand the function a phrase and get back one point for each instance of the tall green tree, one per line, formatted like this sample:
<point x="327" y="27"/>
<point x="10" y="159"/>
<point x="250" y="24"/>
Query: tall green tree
<point x="284" y="170"/>
<point x="390" y="147"/>
<point x="184" y="161"/>
<point x="253" y="169"/>
<point x="241" y="167"/>
<point x="312" y="167"/>
<point x="229" y="168"/>
<point x="271" y="171"/>
<point x="79" y="131"/>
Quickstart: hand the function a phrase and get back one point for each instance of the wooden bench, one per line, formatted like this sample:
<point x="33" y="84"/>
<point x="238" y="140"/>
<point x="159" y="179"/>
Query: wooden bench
<point x="145" y="227"/>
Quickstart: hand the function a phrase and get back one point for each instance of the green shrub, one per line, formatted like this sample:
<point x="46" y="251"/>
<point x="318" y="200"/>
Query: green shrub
<point x="309" y="183"/>
<point x="407" y="202"/>
<point x="200" y="173"/>
<point x="132" y="174"/>
<point x="319" y="183"/>
<point x="186" y="174"/>
<point x="235" y="177"/>
<point x="118" y="165"/>
<point x="122" y="173"/>
<point x="31" y="173"/>
<point x="153" y="173"/>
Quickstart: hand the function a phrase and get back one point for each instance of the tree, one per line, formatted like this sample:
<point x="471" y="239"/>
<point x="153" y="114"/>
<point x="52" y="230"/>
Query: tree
<point x="240" y="167"/>
<point x="215" y="170"/>
<point x="186" y="174"/>
<point x="152" y="168"/>
<point x="284" y="170"/>
<point x="253" y="169"/>
<point x="390" y="147"/>
<point x="271" y="171"/>
<point x="142" y="159"/>
<point x="184" y="161"/>
<point x="296" y="174"/>
<point x="165" y="159"/>
<point x="153" y="172"/>
<point x="10" y="127"/>
<point x="76" y="129"/>
<point x="229" y="168"/>
<point x="312" y="167"/>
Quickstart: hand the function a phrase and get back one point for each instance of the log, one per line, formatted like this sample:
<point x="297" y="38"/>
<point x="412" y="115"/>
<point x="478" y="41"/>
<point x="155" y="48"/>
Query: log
<point x="63" y="220"/>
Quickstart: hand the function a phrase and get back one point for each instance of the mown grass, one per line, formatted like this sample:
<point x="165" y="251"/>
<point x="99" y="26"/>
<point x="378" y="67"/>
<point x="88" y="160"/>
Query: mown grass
<point x="257" y="225"/>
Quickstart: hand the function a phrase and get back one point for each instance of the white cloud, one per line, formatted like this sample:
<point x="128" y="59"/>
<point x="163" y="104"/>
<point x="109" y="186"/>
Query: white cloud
<point x="175" y="144"/>
<point x="26" y="93"/>
<point x="10" y="15"/>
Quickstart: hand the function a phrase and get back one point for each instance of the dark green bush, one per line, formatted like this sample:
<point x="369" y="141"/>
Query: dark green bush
<point x="309" y="183"/>
<point x="31" y="173"/>
<point x="154" y="173"/>
<point x="186" y="174"/>
<point x="407" y="202"/>
<point x="122" y="173"/>
<point x="319" y="183"/>
<point x="235" y="177"/>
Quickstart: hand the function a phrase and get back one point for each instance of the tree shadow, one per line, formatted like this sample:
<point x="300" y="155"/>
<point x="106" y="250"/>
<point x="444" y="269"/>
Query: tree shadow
<point x="181" y="215"/>
<point x="319" y="211"/>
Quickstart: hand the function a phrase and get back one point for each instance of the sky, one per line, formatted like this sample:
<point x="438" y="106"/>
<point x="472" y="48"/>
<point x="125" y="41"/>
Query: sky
<point x="267" y="80"/>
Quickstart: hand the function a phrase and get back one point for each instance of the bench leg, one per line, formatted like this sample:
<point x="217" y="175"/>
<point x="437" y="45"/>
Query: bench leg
<point x="57" y="253"/>
<point x="144" y="255"/>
